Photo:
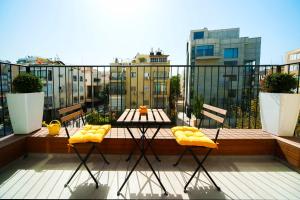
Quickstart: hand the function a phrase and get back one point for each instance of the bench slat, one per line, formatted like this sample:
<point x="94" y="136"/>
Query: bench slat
<point x="69" y="109"/>
<point x="71" y="116"/>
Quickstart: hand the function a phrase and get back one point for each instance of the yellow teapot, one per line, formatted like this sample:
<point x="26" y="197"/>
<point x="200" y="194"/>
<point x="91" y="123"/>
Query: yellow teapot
<point x="53" y="127"/>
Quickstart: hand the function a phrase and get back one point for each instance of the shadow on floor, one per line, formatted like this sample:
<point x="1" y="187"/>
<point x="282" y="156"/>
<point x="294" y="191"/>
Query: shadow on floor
<point x="207" y="192"/>
<point x="154" y="196"/>
<point x="89" y="191"/>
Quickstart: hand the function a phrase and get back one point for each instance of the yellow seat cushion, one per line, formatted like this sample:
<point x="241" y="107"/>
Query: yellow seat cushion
<point x="183" y="128"/>
<point x="191" y="136"/>
<point x="90" y="133"/>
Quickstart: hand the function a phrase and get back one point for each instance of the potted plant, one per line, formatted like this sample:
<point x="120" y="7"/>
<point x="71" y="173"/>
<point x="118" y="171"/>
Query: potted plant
<point x="95" y="118"/>
<point x="279" y="106"/>
<point x="197" y="106"/>
<point x="26" y="103"/>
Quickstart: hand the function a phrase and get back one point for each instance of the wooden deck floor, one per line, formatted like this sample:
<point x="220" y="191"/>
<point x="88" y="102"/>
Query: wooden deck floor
<point x="239" y="177"/>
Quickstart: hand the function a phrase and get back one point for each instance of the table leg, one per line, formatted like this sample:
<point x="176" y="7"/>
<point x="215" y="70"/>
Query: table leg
<point x="151" y="148"/>
<point x="143" y="149"/>
<point x="134" y="148"/>
<point x="155" y="174"/>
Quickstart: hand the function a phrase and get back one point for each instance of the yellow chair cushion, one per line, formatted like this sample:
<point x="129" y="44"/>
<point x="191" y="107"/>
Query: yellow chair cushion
<point x="90" y="133"/>
<point x="183" y="128"/>
<point x="191" y="136"/>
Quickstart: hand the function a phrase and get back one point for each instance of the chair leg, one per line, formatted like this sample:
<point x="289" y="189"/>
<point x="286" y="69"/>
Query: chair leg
<point x="186" y="185"/>
<point x="200" y="164"/>
<point x="212" y="180"/>
<point x="180" y="157"/>
<point x="83" y="162"/>
<point x="102" y="155"/>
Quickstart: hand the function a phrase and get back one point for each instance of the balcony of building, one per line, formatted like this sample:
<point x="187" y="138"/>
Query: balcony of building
<point x="248" y="164"/>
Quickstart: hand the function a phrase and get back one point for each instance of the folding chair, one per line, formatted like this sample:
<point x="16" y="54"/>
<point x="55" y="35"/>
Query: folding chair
<point x="192" y="137"/>
<point x="92" y="135"/>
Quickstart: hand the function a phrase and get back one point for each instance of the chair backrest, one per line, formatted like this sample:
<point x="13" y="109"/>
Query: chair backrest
<point x="214" y="113"/>
<point x="70" y="113"/>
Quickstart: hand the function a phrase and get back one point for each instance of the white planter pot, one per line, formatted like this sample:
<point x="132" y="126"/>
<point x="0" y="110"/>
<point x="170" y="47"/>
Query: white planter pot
<point x="25" y="111"/>
<point x="279" y="112"/>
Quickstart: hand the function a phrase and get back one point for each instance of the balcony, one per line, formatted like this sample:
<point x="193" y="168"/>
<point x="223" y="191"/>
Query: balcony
<point x="249" y="163"/>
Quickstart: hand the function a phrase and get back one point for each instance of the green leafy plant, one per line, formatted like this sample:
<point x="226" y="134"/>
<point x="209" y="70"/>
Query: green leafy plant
<point x="27" y="83"/>
<point x="96" y="118"/>
<point x="279" y="83"/>
<point x="197" y="106"/>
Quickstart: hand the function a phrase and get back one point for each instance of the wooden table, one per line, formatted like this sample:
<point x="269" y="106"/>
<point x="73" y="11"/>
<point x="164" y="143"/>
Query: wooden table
<point x="133" y="118"/>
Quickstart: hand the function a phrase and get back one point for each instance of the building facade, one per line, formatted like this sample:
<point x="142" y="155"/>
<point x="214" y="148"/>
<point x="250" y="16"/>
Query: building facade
<point x="63" y="86"/>
<point x="221" y="66"/>
<point x="146" y="81"/>
<point x="292" y="59"/>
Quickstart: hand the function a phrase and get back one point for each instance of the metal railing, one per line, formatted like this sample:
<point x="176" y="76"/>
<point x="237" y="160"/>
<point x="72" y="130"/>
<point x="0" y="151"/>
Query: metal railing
<point x="174" y="88"/>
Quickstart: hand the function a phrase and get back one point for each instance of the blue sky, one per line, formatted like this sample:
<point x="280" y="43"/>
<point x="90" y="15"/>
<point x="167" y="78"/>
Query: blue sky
<point x="95" y="32"/>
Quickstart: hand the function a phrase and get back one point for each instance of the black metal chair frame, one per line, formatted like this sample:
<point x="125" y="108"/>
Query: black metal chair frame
<point x="143" y="149"/>
<point x="86" y="157"/>
<point x="200" y="163"/>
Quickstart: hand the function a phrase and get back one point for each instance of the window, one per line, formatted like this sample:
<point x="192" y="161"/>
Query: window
<point x="75" y="99"/>
<point x="74" y="88"/>
<point x="133" y="74"/>
<point x="133" y="88"/>
<point x="231" y="52"/>
<point x="205" y="50"/>
<point x="193" y="53"/>
<point x="48" y="90"/>
<point x="146" y="88"/>
<point x="81" y="88"/>
<point x="81" y="78"/>
<point x="62" y="101"/>
<point x="147" y="75"/>
<point x="49" y="75"/>
<point x="230" y="63"/>
<point x="114" y="76"/>
<point x="198" y="35"/>
<point x="159" y="88"/>
<point x="231" y="93"/>
<point x="48" y="101"/>
<point x="96" y="80"/>
<point x="295" y="56"/>
<point x="81" y="98"/>
<point x="231" y="77"/>
<point x="74" y="78"/>
<point x="293" y="67"/>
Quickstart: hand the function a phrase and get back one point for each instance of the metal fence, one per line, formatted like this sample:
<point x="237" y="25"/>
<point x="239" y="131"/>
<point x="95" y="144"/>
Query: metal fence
<point x="111" y="89"/>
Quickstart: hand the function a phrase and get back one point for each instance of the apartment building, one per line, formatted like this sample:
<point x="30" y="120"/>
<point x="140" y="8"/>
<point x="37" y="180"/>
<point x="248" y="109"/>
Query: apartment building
<point x="96" y="79"/>
<point x="213" y="57"/>
<point x="146" y="80"/>
<point x="117" y="86"/>
<point x="292" y="58"/>
<point x="63" y="86"/>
